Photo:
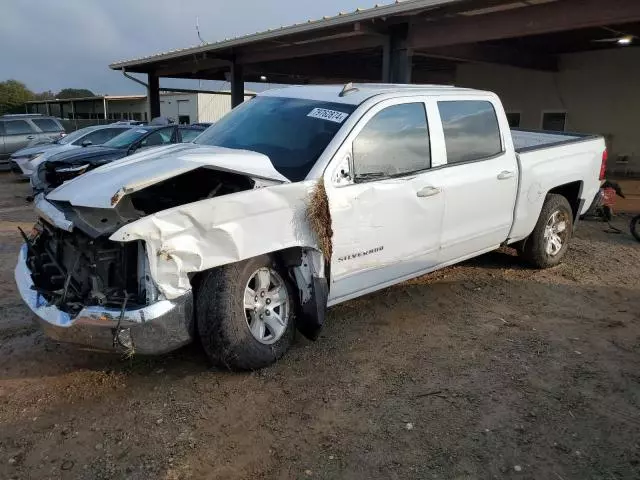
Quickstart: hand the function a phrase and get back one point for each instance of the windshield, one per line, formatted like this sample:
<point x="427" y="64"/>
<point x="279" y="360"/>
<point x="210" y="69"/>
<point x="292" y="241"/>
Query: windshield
<point x="73" y="136"/>
<point x="292" y="132"/>
<point x="124" y="140"/>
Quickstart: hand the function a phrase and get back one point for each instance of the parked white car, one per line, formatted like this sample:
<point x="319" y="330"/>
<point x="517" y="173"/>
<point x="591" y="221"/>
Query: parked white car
<point x="24" y="162"/>
<point x="297" y="200"/>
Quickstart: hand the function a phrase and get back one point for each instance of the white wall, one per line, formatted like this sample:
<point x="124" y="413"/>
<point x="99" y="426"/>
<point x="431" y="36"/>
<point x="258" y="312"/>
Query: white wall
<point x="212" y="107"/>
<point x="173" y="105"/>
<point x="600" y="91"/>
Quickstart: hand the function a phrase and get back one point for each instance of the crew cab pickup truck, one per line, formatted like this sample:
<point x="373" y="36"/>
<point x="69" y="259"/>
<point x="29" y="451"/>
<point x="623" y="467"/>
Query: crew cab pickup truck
<point x="297" y="200"/>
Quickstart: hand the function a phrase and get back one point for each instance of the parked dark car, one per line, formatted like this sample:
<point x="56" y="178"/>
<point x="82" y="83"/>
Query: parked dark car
<point x="67" y="165"/>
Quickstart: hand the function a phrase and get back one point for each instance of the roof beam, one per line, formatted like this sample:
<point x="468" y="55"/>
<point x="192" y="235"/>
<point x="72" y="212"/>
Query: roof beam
<point x="531" y="20"/>
<point x="192" y="67"/>
<point x="498" y="54"/>
<point x="327" y="68"/>
<point x="358" y="42"/>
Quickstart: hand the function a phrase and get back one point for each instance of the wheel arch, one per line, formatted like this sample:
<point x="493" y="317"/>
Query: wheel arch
<point x="309" y="271"/>
<point x="572" y="191"/>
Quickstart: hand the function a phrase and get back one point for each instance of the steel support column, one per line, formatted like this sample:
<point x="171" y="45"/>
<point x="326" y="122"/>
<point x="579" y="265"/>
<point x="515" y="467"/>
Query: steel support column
<point x="397" y="56"/>
<point x="153" y="96"/>
<point x="237" y="85"/>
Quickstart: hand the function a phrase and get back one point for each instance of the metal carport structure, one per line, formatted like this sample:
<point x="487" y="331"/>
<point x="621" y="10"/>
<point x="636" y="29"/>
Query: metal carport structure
<point x="419" y="41"/>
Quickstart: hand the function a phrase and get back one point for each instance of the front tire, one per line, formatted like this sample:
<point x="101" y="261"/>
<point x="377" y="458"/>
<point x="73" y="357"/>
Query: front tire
<point x="548" y="243"/>
<point x="245" y="314"/>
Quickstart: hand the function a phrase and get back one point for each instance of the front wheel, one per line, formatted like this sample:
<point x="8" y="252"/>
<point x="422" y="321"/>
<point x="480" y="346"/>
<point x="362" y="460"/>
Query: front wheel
<point x="548" y="243"/>
<point x="245" y="314"/>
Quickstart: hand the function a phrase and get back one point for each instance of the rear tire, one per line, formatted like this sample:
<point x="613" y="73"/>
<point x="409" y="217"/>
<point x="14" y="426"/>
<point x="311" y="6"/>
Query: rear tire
<point x="635" y="227"/>
<point x="236" y="331"/>
<point x="548" y="243"/>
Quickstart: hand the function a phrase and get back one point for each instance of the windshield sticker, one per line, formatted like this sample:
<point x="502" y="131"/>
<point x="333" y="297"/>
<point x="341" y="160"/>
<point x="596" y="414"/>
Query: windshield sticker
<point x="331" y="115"/>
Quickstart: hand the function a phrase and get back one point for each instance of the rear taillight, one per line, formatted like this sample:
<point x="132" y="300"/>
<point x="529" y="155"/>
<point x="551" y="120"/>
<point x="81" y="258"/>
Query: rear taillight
<point x="603" y="165"/>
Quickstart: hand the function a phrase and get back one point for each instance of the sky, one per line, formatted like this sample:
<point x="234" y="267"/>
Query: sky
<point x="51" y="45"/>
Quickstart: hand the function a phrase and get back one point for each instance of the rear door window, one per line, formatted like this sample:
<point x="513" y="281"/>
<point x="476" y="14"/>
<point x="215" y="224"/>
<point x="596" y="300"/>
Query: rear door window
<point x="162" y="136"/>
<point x="394" y="142"/>
<point x="189" y="134"/>
<point x="17" y="127"/>
<point x="471" y="130"/>
<point x="47" y="124"/>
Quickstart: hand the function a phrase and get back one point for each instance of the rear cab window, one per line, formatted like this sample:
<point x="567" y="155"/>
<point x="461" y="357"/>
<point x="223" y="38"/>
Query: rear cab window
<point x="47" y="124"/>
<point x="471" y="130"/>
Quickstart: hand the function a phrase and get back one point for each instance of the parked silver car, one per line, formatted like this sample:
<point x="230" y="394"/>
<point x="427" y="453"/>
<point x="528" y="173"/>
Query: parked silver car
<point x="25" y="161"/>
<point x="20" y="131"/>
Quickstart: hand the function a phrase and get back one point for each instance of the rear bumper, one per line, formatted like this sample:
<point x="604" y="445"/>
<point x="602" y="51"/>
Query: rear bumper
<point x="155" y="329"/>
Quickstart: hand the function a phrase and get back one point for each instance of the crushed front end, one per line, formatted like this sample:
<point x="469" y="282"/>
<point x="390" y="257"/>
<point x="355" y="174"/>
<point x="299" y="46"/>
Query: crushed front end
<point x="96" y="292"/>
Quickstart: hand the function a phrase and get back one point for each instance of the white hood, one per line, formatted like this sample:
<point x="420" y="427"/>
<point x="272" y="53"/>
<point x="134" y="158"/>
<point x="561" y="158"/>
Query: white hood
<point x="105" y="186"/>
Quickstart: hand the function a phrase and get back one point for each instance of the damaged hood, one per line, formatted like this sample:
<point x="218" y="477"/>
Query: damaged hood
<point x="104" y="187"/>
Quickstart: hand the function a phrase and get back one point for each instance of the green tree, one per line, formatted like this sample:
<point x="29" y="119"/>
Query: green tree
<point x="48" y="95"/>
<point x="13" y="95"/>
<point x="75" y="93"/>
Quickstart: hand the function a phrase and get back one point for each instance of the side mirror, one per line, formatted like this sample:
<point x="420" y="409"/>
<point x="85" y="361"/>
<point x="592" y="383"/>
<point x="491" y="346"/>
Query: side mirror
<point x="86" y="143"/>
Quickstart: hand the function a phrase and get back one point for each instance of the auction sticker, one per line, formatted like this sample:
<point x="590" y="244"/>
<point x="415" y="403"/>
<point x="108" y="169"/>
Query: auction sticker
<point x="330" y="115"/>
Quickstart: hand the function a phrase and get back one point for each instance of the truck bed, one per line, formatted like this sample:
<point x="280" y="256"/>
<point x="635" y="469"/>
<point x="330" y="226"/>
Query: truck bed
<point x="528" y="140"/>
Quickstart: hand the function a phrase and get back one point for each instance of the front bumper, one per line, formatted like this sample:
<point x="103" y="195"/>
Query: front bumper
<point x="158" y="328"/>
<point x="21" y="167"/>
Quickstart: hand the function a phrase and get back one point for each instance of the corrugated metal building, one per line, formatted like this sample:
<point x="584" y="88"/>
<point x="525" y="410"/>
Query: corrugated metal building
<point x="182" y="107"/>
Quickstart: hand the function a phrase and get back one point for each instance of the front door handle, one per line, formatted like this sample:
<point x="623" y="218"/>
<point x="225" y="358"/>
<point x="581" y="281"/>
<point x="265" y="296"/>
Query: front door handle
<point x="30" y="137"/>
<point x="505" y="174"/>
<point x="428" y="192"/>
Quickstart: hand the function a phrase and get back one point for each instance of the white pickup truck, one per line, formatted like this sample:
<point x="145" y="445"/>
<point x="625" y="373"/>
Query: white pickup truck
<point x="297" y="200"/>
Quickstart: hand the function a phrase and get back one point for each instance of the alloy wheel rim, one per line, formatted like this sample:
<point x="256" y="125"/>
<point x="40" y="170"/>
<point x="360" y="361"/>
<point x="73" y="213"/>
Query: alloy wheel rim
<point x="555" y="233"/>
<point x="266" y="305"/>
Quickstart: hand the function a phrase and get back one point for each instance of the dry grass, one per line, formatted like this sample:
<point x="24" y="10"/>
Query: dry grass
<point x="319" y="218"/>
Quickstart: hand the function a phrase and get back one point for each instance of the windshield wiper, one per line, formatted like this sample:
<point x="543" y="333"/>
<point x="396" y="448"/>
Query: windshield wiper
<point x="371" y="175"/>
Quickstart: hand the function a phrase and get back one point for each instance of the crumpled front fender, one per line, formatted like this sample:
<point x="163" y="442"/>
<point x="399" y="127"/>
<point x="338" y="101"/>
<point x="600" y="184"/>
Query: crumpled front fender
<point x="218" y="231"/>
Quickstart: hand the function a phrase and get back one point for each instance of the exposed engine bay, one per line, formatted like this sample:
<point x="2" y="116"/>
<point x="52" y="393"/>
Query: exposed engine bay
<point x="72" y="271"/>
<point x="85" y="268"/>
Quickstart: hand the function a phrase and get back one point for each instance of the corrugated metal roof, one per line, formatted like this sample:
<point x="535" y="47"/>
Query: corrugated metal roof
<point x="360" y="14"/>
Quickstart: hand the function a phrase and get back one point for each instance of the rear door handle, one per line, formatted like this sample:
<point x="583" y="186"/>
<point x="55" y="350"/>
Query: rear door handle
<point x="31" y="137"/>
<point x="505" y="174"/>
<point x="428" y="192"/>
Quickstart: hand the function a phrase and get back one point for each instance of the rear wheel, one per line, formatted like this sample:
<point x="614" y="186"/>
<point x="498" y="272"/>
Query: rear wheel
<point x="548" y="243"/>
<point x="635" y="227"/>
<point x="246" y="314"/>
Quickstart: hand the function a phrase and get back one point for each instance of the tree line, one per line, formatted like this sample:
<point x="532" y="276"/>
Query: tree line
<point x="14" y="94"/>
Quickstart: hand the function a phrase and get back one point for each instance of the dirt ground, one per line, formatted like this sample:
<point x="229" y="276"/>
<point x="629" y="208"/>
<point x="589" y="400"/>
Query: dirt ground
<point x="484" y="370"/>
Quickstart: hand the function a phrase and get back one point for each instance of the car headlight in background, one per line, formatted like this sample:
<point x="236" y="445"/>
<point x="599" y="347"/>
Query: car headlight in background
<point x="74" y="169"/>
<point x="33" y="158"/>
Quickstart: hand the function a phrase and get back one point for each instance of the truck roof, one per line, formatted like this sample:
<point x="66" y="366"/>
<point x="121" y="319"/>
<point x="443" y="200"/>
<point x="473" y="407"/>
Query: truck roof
<point x="356" y="93"/>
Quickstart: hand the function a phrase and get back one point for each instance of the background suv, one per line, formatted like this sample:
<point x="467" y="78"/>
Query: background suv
<point x="20" y="131"/>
